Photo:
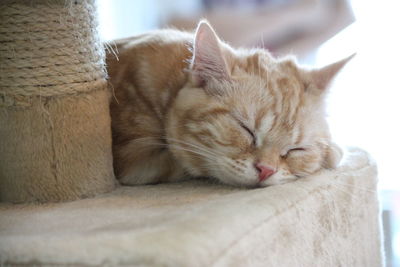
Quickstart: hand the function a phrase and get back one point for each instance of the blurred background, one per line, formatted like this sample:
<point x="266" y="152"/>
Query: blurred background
<point x="364" y="104"/>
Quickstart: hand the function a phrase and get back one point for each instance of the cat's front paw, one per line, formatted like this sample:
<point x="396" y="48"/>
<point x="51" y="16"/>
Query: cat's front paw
<point x="304" y="162"/>
<point x="333" y="156"/>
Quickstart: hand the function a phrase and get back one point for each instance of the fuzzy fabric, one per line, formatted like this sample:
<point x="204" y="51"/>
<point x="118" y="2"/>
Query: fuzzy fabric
<point x="329" y="219"/>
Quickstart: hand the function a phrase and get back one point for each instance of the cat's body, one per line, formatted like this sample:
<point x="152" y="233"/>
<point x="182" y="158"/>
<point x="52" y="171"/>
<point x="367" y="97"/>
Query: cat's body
<point x="190" y="105"/>
<point x="146" y="79"/>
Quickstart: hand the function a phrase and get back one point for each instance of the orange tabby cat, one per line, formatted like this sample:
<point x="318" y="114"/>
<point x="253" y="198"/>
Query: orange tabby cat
<point x="191" y="105"/>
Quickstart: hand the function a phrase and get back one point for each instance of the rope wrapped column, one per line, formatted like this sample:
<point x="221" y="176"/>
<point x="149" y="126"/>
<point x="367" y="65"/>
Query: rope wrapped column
<point x="55" y="130"/>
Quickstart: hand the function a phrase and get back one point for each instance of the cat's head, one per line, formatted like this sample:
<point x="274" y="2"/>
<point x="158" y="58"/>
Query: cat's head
<point x="248" y="119"/>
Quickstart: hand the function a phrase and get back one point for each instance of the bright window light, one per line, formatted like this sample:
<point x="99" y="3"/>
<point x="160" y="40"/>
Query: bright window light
<point x="364" y="105"/>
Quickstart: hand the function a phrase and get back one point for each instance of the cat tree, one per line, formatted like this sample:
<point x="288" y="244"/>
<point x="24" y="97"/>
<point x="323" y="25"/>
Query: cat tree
<point x="55" y="136"/>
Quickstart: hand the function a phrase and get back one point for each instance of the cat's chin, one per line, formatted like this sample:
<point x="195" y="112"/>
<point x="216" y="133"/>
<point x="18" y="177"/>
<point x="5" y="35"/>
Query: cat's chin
<point x="277" y="180"/>
<point x="249" y="182"/>
<point x="259" y="184"/>
<point x="234" y="181"/>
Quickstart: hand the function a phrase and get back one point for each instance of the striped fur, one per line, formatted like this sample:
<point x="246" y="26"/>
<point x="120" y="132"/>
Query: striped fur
<point x="190" y="105"/>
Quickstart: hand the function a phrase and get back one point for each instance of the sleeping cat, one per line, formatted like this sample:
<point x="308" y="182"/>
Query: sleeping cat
<point x="190" y="105"/>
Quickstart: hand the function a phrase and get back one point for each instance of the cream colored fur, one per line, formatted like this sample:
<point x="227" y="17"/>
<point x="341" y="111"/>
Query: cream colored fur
<point x="190" y="105"/>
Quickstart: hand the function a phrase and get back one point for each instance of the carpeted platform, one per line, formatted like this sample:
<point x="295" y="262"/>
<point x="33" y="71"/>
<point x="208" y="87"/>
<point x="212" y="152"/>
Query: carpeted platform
<point x="330" y="219"/>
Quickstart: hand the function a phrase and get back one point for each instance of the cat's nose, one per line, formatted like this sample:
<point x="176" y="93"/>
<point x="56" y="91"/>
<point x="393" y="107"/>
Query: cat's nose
<point x="264" y="172"/>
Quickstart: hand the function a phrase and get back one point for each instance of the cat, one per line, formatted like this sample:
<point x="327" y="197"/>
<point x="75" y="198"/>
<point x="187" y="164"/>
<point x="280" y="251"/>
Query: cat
<point x="190" y="105"/>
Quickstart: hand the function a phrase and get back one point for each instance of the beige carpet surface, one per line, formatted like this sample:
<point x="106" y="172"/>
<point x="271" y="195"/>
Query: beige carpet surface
<point x="329" y="219"/>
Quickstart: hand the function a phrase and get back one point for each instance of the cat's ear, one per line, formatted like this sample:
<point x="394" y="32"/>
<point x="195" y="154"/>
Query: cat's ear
<point x="321" y="78"/>
<point x="208" y="61"/>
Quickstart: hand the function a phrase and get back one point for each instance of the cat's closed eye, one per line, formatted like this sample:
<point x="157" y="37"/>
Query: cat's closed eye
<point x="250" y="132"/>
<point x="291" y="150"/>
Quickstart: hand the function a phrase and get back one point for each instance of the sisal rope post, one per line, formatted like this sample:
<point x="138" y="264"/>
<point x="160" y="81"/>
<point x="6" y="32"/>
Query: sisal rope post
<point x="55" y="130"/>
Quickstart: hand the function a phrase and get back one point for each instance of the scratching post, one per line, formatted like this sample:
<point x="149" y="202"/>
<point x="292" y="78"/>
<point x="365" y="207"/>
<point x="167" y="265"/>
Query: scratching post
<point x="55" y="136"/>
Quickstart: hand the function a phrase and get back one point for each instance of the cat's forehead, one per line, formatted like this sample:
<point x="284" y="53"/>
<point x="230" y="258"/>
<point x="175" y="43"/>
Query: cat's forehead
<point x="270" y="81"/>
<point x="259" y="64"/>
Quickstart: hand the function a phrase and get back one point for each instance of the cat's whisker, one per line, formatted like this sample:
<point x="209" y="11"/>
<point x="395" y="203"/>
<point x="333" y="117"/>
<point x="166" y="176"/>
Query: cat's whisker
<point x="341" y="189"/>
<point x="185" y="143"/>
<point x="145" y="141"/>
<point x="194" y="146"/>
<point x="195" y="154"/>
<point x="110" y="49"/>
<point x="142" y="139"/>
<point x="354" y="186"/>
<point x="221" y="164"/>
<point x="259" y="67"/>
<point x="202" y="153"/>
<point x="152" y="146"/>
